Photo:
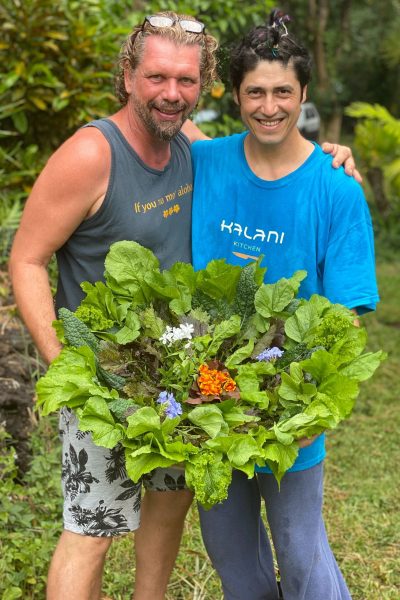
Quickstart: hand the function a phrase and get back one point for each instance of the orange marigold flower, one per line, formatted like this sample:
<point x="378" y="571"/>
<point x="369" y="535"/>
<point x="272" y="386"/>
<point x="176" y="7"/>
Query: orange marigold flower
<point x="213" y="382"/>
<point x="230" y="385"/>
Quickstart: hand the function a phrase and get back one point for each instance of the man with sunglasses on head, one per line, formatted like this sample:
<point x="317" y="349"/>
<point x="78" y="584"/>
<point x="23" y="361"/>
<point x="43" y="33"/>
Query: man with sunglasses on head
<point x="128" y="177"/>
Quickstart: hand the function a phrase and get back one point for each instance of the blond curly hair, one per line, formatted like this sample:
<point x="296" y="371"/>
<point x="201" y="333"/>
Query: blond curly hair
<point x="133" y="48"/>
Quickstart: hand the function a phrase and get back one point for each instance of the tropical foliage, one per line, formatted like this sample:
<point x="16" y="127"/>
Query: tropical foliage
<point x="57" y="66"/>
<point x="377" y="139"/>
<point x="57" y="72"/>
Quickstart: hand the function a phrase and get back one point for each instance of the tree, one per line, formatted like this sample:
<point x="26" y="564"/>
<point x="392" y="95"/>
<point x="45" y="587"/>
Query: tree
<point x="355" y="53"/>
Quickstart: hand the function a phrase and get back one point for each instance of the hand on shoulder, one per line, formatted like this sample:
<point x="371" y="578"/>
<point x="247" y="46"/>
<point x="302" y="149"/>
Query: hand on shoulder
<point x="342" y="156"/>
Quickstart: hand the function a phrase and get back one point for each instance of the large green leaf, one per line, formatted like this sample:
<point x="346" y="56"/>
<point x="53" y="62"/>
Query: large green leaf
<point x="126" y="266"/>
<point x="223" y="331"/>
<point x="342" y="390"/>
<point x="218" y="279"/>
<point x="272" y="298"/>
<point x="209" y="418"/>
<point x="138" y="465"/>
<point x="320" y="365"/>
<point x="364" y="366"/>
<point x="70" y="380"/>
<point x="97" y="418"/>
<point x="240" y="355"/>
<point x="153" y="326"/>
<point x="130" y="331"/>
<point x="280" y="457"/>
<point x="142" y="421"/>
<point x="242" y="449"/>
<point x="184" y="275"/>
<point x="99" y="296"/>
<point x="163" y="284"/>
<point x="209" y="477"/>
<point x="299" y="326"/>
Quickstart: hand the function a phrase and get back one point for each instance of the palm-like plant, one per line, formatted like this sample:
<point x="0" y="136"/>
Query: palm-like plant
<point x="377" y="139"/>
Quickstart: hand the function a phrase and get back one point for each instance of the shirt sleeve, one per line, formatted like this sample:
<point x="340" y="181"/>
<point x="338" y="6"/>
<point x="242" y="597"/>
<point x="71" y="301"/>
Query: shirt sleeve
<point x="349" y="267"/>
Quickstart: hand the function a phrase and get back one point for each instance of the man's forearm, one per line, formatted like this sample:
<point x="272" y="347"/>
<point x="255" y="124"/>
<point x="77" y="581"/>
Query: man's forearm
<point x="35" y="303"/>
<point x="193" y="132"/>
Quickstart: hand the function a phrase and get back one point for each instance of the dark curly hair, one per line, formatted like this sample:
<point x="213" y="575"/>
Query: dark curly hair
<point x="271" y="42"/>
<point x="133" y="48"/>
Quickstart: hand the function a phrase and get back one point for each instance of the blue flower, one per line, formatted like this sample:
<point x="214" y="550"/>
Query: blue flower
<point x="174" y="409"/>
<point x="270" y="354"/>
<point x="162" y="398"/>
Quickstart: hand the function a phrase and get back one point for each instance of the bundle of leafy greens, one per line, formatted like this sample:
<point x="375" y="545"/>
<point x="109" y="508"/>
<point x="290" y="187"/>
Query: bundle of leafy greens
<point x="213" y="369"/>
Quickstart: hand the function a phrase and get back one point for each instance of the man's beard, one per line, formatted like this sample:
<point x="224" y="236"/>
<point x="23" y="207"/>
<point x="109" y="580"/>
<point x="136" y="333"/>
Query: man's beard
<point x="163" y="130"/>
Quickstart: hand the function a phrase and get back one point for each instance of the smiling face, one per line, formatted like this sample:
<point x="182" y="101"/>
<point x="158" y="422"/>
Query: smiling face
<point x="164" y="88"/>
<point x="270" y="98"/>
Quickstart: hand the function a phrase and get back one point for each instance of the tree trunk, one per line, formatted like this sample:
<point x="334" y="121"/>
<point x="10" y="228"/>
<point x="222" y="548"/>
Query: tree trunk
<point x="319" y="13"/>
<point x="334" y="125"/>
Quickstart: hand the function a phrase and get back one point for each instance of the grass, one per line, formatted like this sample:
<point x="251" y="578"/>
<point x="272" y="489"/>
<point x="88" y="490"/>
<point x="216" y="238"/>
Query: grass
<point x="193" y="577"/>
<point x="361" y="505"/>
<point x="361" y="496"/>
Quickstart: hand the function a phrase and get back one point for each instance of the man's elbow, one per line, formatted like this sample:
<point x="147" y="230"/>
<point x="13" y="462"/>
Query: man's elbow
<point x="21" y="265"/>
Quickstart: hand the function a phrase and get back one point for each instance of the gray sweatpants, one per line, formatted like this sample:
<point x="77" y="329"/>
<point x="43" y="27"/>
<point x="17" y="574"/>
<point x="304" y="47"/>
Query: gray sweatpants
<point x="240" y="551"/>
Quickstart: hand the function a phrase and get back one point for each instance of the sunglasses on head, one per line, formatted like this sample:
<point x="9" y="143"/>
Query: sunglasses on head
<point x="164" y="21"/>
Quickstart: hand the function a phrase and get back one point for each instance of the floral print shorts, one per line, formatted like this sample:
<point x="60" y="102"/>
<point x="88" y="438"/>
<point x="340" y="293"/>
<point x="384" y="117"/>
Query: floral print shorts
<point x="99" y="498"/>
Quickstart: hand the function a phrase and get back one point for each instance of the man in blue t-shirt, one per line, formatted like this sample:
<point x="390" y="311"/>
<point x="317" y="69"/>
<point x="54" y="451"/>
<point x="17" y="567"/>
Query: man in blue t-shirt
<point x="270" y="191"/>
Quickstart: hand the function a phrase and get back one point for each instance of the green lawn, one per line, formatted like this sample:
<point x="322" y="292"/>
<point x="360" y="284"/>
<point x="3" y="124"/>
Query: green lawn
<point x="360" y="506"/>
<point x="362" y="482"/>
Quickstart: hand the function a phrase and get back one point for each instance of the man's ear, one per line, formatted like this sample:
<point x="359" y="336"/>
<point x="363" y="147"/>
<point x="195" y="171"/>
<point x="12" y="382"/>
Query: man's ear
<point x="235" y="96"/>
<point x="128" y="79"/>
<point x="304" y="97"/>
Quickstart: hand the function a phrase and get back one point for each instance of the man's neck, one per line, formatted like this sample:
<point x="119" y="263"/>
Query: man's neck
<point x="154" y="152"/>
<point x="274" y="161"/>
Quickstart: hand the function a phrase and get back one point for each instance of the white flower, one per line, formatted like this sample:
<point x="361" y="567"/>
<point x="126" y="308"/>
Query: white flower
<point x="173" y="334"/>
<point x="187" y="330"/>
<point x="167" y="336"/>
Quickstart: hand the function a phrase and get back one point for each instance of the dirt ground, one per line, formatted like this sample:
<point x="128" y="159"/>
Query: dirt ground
<point x="18" y="363"/>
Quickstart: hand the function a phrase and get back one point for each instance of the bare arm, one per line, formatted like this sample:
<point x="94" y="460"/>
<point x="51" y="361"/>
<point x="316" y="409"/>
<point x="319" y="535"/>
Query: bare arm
<point x="69" y="189"/>
<point x="193" y="132"/>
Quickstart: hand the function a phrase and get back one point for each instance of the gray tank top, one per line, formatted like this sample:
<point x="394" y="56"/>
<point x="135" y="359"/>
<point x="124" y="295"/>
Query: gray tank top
<point x="141" y="204"/>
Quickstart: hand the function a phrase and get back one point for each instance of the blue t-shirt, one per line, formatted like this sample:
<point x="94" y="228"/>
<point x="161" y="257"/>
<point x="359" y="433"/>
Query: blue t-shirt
<point x="316" y="219"/>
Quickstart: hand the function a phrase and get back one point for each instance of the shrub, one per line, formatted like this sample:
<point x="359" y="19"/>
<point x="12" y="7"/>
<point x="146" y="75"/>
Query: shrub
<point x="20" y="166"/>
<point x="30" y="516"/>
<point x="58" y="62"/>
